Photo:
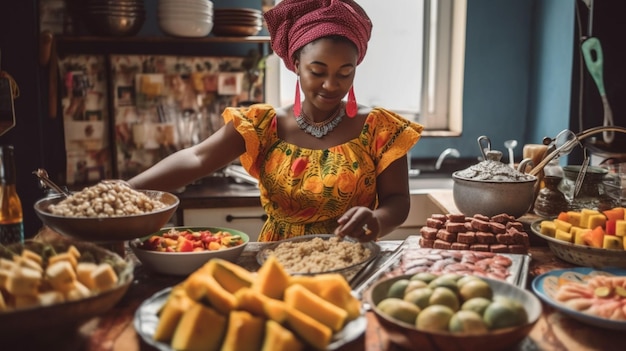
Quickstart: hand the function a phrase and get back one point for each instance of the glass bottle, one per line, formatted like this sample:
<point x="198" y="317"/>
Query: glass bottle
<point x="11" y="216"/>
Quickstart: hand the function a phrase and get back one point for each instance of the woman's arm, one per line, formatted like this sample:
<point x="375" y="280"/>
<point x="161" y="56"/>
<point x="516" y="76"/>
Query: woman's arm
<point x="192" y="163"/>
<point x="394" y="202"/>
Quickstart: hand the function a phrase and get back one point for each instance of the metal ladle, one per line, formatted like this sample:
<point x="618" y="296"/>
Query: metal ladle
<point x="43" y="177"/>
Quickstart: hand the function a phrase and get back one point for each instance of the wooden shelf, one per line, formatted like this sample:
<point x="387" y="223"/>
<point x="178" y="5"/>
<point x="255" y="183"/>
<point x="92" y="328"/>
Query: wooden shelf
<point x="156" y="45"/>
<point x="69" y="40"/>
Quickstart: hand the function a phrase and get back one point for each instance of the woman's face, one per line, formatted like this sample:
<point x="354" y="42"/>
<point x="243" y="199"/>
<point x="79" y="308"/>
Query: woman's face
<point x="326" y="68"/>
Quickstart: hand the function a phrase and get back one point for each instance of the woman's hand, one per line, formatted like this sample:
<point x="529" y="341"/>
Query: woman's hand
<point x="359" y="223"/>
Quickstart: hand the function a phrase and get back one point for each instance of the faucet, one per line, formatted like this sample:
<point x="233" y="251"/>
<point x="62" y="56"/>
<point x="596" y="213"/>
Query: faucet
<point x="451" y="152"/>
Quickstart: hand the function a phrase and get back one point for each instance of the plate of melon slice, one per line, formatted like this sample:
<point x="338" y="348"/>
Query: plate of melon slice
<point x="224" y="306"/>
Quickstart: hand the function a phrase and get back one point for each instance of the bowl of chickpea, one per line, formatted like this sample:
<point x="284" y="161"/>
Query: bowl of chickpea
<point x="107" y="212"/>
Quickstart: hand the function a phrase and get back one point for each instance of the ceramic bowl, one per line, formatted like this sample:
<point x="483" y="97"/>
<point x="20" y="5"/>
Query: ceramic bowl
<point x="581" y="255"/>
<point x="193" y="28"/>
<point x="185" y="263"/>
<point x="349" y="272"/>
<point x="491" y="198"/>
<point x="109" y="229"/>
<point x="176" y="8"/>
<point x="58" y="318"/>
<point x="409" y="337"/>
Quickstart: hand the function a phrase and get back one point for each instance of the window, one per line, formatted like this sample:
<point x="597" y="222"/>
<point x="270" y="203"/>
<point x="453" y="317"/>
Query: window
<point x="416" y="53"/>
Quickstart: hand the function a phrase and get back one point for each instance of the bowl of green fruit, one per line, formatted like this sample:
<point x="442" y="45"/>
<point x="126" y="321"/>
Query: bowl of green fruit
<point x="453" y="312"/>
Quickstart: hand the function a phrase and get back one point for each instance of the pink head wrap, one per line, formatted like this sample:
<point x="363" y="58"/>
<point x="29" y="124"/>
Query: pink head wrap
<point x="294" y="23"/>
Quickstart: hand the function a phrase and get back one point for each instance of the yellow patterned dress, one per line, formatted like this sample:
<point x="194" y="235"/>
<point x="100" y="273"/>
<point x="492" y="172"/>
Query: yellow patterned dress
<point x="305" y="191"/>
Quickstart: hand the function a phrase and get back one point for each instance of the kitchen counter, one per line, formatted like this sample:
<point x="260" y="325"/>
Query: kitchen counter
<point x="114" y="330"/>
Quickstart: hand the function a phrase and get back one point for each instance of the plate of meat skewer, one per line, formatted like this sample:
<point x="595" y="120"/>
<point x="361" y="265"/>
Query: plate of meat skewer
<point x="592" y="296"/>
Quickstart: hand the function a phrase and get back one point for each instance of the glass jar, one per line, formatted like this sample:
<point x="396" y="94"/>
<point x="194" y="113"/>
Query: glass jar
<point x="550" y="201"/>
<point x="592" y="194"/>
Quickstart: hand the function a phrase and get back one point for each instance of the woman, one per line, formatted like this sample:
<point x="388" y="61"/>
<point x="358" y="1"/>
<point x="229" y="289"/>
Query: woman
<point x="324" y="165"/>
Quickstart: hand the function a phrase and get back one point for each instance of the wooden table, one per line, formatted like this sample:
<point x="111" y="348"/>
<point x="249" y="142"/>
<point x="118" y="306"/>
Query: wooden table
<point x="115" y="331"/>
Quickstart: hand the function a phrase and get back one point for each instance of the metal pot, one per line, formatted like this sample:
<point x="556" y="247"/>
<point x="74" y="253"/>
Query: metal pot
<point x="492" y="187"/>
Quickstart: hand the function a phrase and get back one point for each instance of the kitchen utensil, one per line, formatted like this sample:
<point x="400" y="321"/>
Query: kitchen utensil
<point x="42" y="174"/>
<point x="485" y="145"/>
<point x="594" y="60"/>
<point x="510" y="145"/>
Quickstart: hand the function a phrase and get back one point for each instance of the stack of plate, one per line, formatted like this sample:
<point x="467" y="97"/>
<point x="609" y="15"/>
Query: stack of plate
<point x="114" y="17"/>
<point x="185" y="18"/>
<point x="237" y="22"/>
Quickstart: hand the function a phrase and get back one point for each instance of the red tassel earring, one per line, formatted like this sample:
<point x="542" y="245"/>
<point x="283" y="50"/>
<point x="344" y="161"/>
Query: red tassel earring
<point x="297" y="103"/>
<point x="351" y="106"/>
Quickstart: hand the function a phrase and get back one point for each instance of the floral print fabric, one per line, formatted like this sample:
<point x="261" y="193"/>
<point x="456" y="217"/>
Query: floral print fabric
<point x="304" y="191"/>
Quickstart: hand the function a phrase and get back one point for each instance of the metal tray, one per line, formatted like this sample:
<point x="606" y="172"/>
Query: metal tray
<point x="518" y="270"/>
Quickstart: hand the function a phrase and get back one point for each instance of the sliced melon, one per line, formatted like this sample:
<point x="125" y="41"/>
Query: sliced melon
<point x="200" y="328"/>
<point x="204" y="287"/>
<point x="323" y="311"/>
<point x="308" y="329"/>
<point x="272" y="279"/>
<point x="169" y="316"/>
<point x="231" y="276"/>
<point x="244" y="332"/>
<point x="279" y="338"/>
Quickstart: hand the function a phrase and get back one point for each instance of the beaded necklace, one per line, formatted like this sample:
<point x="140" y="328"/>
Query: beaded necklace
<point x="319" y="129"/>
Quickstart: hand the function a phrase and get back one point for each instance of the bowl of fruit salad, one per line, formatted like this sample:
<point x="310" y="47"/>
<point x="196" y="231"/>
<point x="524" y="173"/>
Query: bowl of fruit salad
<point x="182" y="250"/>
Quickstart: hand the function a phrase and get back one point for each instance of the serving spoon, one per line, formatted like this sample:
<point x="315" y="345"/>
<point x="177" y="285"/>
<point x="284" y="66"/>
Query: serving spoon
<point x="510" y="145"/>
<point x="42" y="174"/>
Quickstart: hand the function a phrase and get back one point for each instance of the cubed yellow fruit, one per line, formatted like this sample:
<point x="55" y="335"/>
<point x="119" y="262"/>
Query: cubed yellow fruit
<point x="26" y="253"/>
<point x="585" y="213"/>
<point x="548" y="228"/>
<point x="562" y="225"/>
<point x="104" y="277"/>
<point x="597" y="220"/>
<point x="66" y="256"/>
<point x="620" y="227"/>
<point x="612" y="242"/>
<point x="578" y="232"/>
<point x="563" y="235"/>
<point x="61" y="276"/>
<point x="574" y="218"/>
<point x="23" y="281"/>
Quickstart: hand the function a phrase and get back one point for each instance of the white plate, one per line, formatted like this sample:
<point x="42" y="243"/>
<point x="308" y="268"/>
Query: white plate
<point x="546" y="285"/>
<point x="146" y="321"/>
